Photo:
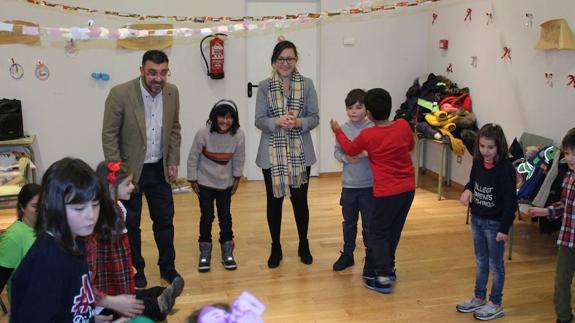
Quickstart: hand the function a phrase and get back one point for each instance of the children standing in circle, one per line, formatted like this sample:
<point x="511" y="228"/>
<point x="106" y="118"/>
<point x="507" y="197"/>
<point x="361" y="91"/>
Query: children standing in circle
<point x="491" y="195"/>
<point x="19" y="237"/>
<point x="109" y="257"/>
<point x="356" y="180"/>
<point x="566" y="240"/>
<point x="52" y="283"/>
<point x="215" y="166"/>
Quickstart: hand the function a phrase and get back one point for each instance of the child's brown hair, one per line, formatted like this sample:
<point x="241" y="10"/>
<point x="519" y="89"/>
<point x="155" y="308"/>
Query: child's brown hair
<point x="493" y="132"/>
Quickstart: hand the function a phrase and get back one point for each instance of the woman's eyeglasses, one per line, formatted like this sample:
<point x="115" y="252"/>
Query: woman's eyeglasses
<point x="289" y="60"/>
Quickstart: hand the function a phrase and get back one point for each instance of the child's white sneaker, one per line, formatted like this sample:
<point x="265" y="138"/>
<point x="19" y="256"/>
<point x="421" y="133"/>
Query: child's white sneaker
<point x="488" y="312"/>
<point x="470" y="305"/>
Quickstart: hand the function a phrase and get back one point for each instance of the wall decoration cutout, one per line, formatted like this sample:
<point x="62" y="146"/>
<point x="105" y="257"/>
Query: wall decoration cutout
<point x="506" y="53"/>
<point x="16" y="70"/>
<point x="474" y="61"/>
<point x="449" y="68"/>
<point x="154" y="38"/>
<point x="100" y="76"/>
<point x="70" y="48"/>
<point x="529" y="20"/>
<point x="433" y="18"/>
<point x="549" y="78"/>
<point x="556" y="34"/>
<point x="444" y="44"/>
<point x="468" y="15"/>
<point x="42" y="71"/>
<point x="571" y="79"/>
<point x="489" y="18"/>
<point x="22" y="33"/>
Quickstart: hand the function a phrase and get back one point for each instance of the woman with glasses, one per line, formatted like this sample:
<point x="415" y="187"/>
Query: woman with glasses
<point x="286" y="111"/>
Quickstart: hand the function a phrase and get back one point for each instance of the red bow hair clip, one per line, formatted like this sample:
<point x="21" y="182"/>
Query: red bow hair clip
<point x="113" y="168"/>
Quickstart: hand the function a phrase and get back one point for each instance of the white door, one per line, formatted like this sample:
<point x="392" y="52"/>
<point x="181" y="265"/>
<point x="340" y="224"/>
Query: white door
<point x="259" y="49"/>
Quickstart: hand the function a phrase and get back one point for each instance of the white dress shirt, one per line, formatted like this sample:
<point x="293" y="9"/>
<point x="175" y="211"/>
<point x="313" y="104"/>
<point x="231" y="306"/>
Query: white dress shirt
<point x="153" y="112"/>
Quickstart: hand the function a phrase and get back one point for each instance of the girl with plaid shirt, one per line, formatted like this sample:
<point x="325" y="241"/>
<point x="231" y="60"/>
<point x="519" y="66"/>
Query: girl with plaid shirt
<point x="110" y="259"/>
<point x="566" y="240"/>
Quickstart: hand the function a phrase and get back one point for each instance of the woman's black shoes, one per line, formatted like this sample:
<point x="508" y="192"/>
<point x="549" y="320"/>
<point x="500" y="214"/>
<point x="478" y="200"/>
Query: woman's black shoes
<point x="275" y="256"/>
<point x="304" y="253"/>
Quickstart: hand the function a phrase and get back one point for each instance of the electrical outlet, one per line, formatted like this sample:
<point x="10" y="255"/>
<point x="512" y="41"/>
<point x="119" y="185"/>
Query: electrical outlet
<point x="459" y="159"/>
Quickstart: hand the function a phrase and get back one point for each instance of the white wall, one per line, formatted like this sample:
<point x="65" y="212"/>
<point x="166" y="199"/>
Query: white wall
<point x="513" y="94"/>
<point x="66" y="110"/>
<point x="391" y="49"/>
<point x="390" y="52"/>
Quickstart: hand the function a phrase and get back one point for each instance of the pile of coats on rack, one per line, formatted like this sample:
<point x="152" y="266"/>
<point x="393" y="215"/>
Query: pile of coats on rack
<point x="437" y="108"/>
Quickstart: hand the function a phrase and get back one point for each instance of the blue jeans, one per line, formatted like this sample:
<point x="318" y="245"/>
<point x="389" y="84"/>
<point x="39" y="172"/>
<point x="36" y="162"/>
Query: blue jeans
<point x="489" y="257"/>
<point x="353" y="201"/>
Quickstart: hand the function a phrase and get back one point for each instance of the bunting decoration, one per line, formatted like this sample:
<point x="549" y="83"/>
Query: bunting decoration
<point x="19" y="32"/>
<point x="210" y="24"/>
<point x="158" y="40"/>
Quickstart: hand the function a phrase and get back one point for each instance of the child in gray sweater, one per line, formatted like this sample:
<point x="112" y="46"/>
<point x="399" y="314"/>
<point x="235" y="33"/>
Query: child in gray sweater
<point x="215" y="166"/>
<point x="356" y="180"/>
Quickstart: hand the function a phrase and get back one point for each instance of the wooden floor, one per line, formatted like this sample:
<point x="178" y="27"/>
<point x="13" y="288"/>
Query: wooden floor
<point x="435" y="263"/>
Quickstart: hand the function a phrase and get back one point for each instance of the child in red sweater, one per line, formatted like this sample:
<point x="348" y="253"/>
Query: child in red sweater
<point x="389" y="145"/>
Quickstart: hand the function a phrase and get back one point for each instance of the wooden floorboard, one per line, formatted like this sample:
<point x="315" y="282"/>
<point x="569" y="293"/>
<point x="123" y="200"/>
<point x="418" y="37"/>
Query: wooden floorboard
<point x="435" y="263"/>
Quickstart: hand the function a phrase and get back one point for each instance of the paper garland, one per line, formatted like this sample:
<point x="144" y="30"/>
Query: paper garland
<point x="363" y="7"/>
<point x="19" y="32"/>
<point x="157" y="41"/>
<point x="231" y="24"/>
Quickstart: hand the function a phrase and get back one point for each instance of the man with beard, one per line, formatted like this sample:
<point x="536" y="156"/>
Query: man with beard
<point x="142" y="129"/>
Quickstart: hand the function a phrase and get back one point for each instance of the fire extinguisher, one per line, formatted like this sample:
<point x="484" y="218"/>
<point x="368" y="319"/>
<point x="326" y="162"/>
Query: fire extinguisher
<point x="216" y="66"/>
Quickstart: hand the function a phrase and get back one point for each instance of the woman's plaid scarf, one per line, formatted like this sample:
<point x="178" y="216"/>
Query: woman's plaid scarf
<point x="286" y="145"/>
